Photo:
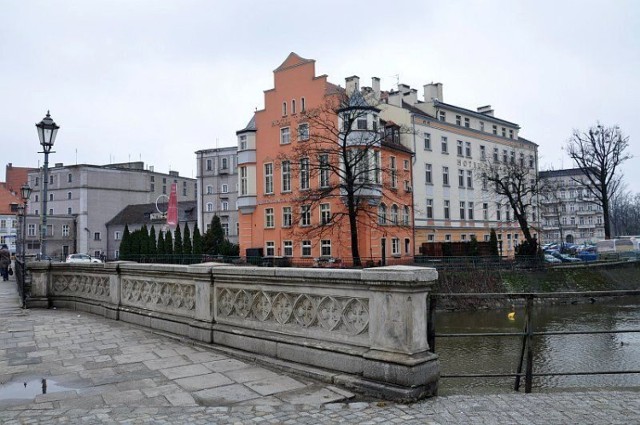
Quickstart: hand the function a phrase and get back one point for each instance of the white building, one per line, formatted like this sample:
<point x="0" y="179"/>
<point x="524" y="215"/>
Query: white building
<point x="569" y="212"/>
<point x="218" y="189"/>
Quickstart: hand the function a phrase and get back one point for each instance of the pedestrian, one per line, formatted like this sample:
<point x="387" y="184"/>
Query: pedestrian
<point x="5" y="262"/>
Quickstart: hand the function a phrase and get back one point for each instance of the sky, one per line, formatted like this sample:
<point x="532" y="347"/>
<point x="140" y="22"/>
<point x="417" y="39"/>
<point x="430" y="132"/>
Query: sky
<point x="157" y="80"/>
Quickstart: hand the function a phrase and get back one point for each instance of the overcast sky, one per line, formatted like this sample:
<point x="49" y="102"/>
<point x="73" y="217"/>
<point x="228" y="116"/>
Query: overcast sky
<point x="157" y="80"/>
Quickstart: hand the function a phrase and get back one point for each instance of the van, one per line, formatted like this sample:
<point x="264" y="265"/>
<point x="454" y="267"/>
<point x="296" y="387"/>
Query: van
<point x="616" y="245"/>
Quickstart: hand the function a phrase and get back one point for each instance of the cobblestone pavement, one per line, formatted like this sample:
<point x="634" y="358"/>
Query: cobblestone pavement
<point x="104" y="371"/>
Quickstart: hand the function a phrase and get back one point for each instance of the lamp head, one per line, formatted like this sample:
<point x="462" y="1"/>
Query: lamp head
<point x="47" y="132"/>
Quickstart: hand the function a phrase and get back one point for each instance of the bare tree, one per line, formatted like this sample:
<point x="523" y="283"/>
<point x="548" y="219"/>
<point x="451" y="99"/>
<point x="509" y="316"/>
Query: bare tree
<point x="598" y="153"/>
<point x="516" y="185"/>
<point x="338" y="156"/>
<point x="625" y="213"/>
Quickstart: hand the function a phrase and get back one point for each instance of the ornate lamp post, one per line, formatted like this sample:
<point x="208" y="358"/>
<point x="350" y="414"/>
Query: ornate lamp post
<point x="47" y="132"/>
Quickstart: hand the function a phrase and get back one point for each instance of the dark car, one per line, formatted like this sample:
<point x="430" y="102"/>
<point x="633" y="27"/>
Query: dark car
<point x="564" y="258"/>
<point x="587" y="255"/>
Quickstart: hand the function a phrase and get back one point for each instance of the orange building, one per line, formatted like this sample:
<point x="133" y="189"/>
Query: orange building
<point x="313" y="153"/>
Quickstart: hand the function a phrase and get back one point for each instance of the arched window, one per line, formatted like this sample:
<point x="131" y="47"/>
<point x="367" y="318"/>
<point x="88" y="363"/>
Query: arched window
<point x="394" y="214"/>
<point x="209" y="190"/>
<point x="382" y="214"/>
<point x="405" y="216"/>
<point x="293" y="106"/>
<point x="209" y="207"/>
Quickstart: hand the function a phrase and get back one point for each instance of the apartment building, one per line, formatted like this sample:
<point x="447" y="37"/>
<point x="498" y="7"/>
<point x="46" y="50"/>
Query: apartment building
<point x="218" y="189"/>
<point x="569" y="212"/>
<point x="292" y="198"/>
<point x="451" y="143"/>
<point x="85" y="197"/>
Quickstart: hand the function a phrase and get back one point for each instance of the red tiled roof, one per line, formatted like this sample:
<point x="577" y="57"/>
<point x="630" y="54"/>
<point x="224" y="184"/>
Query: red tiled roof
<point x="6" y="199"/>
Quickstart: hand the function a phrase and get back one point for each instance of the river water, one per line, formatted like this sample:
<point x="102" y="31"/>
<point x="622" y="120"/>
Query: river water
<point x="561" y="353"/>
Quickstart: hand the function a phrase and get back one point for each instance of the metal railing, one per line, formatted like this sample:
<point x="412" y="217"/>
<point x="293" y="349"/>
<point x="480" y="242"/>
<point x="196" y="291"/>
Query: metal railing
<point x="525" y="359"/>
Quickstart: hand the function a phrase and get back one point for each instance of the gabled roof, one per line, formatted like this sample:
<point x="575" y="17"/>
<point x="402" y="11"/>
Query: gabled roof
<point x="251" y="125"/>
<point x="141" y="214"/>
<point x="293" y="60"/>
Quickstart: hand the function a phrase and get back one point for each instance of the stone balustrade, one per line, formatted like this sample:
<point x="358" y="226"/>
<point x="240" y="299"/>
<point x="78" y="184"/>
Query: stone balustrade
<point x="367" y="329"/>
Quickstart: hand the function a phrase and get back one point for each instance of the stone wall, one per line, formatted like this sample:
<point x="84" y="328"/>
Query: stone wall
<point x="366" y="328"/>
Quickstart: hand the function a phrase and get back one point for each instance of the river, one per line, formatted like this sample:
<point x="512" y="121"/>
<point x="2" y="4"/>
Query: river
<point x="552" y="353"/>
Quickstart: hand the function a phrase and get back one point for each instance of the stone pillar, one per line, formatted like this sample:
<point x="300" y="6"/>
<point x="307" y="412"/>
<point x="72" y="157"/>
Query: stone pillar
<point x="40" y="272"/>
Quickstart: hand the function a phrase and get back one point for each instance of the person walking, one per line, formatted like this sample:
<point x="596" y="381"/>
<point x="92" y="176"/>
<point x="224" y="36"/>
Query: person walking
<point x="5" y="262"/>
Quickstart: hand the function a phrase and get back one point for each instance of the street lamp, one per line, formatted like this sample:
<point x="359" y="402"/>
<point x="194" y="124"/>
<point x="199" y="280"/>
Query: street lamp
<point x="25" y="193"/>
<point x="47" y="132"/>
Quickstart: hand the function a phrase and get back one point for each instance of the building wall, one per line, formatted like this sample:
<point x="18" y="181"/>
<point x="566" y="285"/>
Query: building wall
<point x="95" y="194"/>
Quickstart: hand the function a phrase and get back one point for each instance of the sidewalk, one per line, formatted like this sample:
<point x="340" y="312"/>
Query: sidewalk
<point x="103" y="371"/>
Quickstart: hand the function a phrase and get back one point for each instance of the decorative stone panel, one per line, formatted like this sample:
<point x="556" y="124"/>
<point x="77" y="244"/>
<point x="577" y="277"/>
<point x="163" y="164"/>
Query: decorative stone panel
<point x="153" y="294"/>
<point x="335" y="314"/>
<point x="82" y="285"/>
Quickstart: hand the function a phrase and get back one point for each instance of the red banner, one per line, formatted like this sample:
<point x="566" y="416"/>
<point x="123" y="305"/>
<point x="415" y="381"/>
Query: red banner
<point x="172" y="212"/>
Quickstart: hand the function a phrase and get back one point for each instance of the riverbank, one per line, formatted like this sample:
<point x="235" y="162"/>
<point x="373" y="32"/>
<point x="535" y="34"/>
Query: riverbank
<point x="565" y="278"/>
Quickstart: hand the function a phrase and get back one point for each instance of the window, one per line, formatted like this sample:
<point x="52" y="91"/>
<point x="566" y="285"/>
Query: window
<point x="431" y="238"/>
<point x="225" y="164"/>
<point x="407" y="244"/>
<point x="483" y="153"/>
<point x="459" y="147"/>
<point x="302" y="104"/>
<point x="306" y="248"/>
<point x="243" y="143"/>
<point x="512" y="157"/>
<point x="209" y="190"/>
<point x="225" y="228"/>
<point x="325" y="248"/>
<point x="268" y="218"/>
<point x="69" y="211"/>
<point x="531" y="161"/>
<point x="268" y="178"/>
<point x="481" y="125"/>
<point x="325" y="213"/>
<point x="270" y="248"/>
<point x="511" y="134"/>
<point x="209" y="207"/>
<point x="225" y="206"/>
<point x="427" y="141"/>
<point x="442" y="116"/>
<point x="243" y="181"/>
<point x="116" y="234"/>
<point x="462" y="210"/>
<point x="361" y="123"/>
<point x="461" y="178"/>
<point x="521" y="159"/>
<point x="305" y="215"/>
<point x="496" y="155"/>
<point x="284" y="109"/>
<point x="69" y="178"/>
<point x="394" y="173"/>
<point x="51" y="196"/>
<point x="303" y="132"/>
<point x="209" y="164"/>
<point x="50" y="211"/>
<point x="470" y="211"/>
<point x="65" y="231"/>
<point x="470" y="179"/>
<point x="284" y="136"/>
<point x="406" y="164"/>
<point x="225" y="188"/>
<point x="51" y="179"/>
<point x="504" y="156"/>
<point x="504" y="132"/>
<point x="286" y="217"/>
<point x="37" y="181"/>
<point x="394" y="214"/>
<point x="498" y="211"/>
<point x="382" y="214"/>
<point x="467" y="123"/>
<point x="395" y="246"/>
<point x="463" y="237"/>
<point x="445" y="176"/>
<point x="485" y="211"/>
<point x="304" y="173"/>
<point x="495" y="129"/>
<point x="458" y="120"/>
<point x="447" y="214"/>
<point x="287" y="248"/>
<point x="96" y="236"/>
<point x="293" y="106"/>
<point x="444" y="144"/>
<point x="429" y="208"/>
<point x="31" y="230"/>
<point x="286" y="176"/>
<point x="427" y="174"/>
<point x="447" y="238"/>
<point x="467" y="149"/>
<point x="324" y="170"/>
<point x="405" y="216"/>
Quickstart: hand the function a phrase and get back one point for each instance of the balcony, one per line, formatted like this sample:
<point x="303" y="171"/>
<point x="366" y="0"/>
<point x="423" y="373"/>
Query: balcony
<point x="247" y="204"/>
<point x="586" y="226"/>
<point x="223" y="170"/>
<point x="247" y="157"/>
<point x="372" y="192"/>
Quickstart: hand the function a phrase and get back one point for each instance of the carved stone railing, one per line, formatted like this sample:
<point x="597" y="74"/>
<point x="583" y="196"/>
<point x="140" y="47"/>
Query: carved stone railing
<point x="368" y="327"/>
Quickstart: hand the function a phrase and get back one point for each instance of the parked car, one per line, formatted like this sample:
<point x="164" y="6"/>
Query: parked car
<point x="563" y="257"/>
<point x="82" y="258"/>
<point x="548" y="258"/>
<point x="587" y="255"/>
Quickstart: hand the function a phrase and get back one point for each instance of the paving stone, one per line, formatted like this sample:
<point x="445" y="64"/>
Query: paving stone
<point x="201" y="382"/>
<point x="225" y="365"/>
<point x="184" y="371"/>
<point x="226" y="395"/>
<point x="275" y="384"/>
<point x="166" y="362"/>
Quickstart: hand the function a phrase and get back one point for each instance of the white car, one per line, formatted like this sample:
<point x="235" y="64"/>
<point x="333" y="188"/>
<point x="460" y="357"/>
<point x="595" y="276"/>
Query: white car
<point x="82" y="258"/>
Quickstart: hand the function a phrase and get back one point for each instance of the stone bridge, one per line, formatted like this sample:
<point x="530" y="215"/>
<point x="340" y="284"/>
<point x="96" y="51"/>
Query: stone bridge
<point x="366" y="328"/>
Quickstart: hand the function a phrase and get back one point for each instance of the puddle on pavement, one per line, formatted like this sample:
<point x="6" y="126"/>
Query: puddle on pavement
<point x="28" y="389"/>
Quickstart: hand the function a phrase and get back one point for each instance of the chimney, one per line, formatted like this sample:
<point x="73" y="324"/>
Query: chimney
<point x="433" y="91"/>
<point x="411" y="97"/>
<point x="395" y="98"/>
<point x="486" y="110"/>
<point x="403" y="88"/>
<point x="375" y="85"/>
<point x="352" y="84"/>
